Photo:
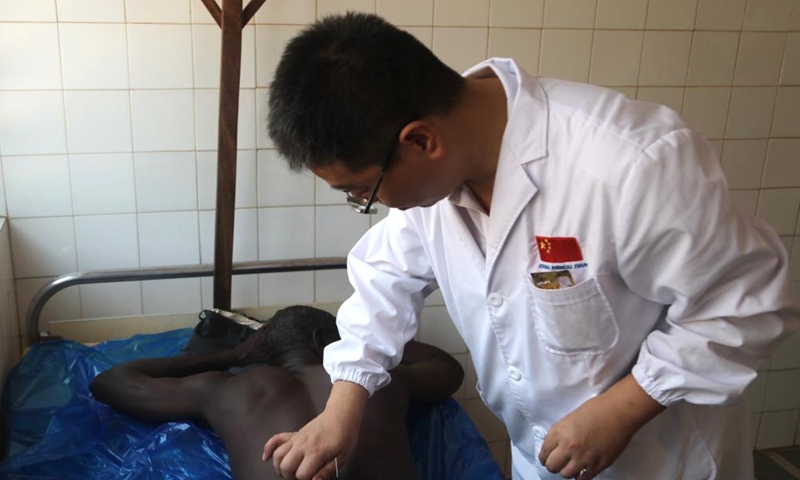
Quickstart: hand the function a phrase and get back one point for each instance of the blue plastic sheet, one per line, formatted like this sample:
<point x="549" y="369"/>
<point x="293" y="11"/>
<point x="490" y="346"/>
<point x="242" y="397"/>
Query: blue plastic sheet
<point x="59" y="431"/>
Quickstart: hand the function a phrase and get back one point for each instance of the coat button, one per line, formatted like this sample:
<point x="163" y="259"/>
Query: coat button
<point x="494" y="300"/>
<point x="514" y="374"/>
<point x="539" y="432"/>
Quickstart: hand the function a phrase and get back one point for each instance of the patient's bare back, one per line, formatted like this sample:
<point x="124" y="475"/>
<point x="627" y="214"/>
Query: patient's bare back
<point x="245" y="410"/>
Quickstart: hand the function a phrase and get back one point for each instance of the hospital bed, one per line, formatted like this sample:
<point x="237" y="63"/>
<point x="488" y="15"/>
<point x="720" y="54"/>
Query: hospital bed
<point x="57" y="430"/>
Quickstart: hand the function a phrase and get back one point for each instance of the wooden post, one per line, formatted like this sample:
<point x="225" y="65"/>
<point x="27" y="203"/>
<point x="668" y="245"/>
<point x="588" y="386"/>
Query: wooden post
<point x="231" y="19"/>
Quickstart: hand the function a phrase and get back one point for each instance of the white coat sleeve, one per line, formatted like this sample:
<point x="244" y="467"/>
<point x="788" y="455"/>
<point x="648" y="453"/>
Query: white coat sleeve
<point x="391" y="276"/>
<point x="722" y="273"/>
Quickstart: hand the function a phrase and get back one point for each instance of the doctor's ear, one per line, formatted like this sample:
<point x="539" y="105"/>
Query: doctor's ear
<point x="422" y="138"/>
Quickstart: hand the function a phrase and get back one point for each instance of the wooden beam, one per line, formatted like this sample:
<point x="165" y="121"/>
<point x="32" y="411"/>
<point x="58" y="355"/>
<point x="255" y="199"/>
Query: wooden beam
<point x="214" y="10"/>
<point x="250" y="10"/>
<point x="231" y="63"/>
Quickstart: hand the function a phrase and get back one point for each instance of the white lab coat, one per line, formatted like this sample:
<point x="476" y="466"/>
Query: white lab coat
<point x="674" y="282"/>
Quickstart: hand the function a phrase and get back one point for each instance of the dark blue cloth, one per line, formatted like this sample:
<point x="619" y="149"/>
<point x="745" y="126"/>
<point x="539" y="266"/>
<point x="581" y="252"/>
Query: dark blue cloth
<point x="59" y="431"/>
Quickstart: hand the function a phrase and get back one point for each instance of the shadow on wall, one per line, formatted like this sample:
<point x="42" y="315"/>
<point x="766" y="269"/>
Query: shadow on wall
<point x="9" y="326"/>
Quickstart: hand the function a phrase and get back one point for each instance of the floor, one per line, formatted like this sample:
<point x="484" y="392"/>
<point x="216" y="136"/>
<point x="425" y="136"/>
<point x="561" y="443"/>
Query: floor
<point x="781" y="464"/>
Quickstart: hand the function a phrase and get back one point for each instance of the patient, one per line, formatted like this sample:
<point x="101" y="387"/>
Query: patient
<point x="282" y="387"/>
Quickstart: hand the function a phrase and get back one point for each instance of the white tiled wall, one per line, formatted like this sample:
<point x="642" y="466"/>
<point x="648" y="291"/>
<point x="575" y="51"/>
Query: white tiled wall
<point x="108" y="114"/>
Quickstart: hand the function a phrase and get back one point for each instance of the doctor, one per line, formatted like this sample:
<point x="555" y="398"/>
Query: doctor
<point x="615" y="302"/>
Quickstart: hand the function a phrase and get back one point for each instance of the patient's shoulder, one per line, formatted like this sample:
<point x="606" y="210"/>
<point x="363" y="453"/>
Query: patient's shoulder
<point x="258" y="387"/>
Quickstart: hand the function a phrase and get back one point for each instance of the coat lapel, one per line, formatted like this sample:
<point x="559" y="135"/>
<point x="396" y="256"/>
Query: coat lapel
<point x="524" y="141"/>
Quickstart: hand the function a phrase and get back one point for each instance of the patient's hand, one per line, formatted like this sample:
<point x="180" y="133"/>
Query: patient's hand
<point x="254" y="348"/>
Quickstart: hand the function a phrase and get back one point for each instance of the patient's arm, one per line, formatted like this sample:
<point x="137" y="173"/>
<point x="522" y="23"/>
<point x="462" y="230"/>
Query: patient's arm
<point x="163" y="389"/>
<point x="431" y="373"/>
<point x="173" y="388"/>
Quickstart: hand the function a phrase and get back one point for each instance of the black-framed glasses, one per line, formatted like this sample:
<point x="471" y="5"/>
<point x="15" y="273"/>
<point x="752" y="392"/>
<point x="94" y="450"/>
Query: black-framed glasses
<point x="364" y="205"/>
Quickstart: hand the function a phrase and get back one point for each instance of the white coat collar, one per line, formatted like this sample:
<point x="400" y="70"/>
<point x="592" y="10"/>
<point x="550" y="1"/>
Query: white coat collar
<point x="524" y="140"/>
<point x="526" y="129"/>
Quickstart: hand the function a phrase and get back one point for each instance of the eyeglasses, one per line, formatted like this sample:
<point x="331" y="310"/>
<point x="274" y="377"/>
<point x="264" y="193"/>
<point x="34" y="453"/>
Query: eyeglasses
<point x="364" y="205"/>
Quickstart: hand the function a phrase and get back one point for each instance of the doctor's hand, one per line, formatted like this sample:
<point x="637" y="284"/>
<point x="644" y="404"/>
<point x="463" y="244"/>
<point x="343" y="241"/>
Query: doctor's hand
<point x="325" y="443"/>
<point x="589" y="440"/>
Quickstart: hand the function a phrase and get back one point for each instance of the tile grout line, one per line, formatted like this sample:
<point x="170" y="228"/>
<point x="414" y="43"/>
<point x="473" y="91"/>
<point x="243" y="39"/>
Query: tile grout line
<point x="67" y="156"/>
<point x="133" y="154"/>
<point x="783" y="463"/>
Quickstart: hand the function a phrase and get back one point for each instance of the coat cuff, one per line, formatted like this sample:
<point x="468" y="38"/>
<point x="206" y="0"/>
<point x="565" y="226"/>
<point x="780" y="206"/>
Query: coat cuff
<point x="371" y="382"/>
<point x="650" y="386"/>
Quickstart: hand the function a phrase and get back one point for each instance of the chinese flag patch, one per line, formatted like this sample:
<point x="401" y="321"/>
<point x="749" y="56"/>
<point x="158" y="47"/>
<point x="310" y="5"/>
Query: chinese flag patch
<point x="559" y="249"/>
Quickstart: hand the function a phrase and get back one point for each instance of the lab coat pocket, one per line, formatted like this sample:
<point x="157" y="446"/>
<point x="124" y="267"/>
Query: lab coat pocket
<point x="574" y="321"/>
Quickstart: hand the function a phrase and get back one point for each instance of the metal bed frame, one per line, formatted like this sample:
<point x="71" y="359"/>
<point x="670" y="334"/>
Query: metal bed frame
<point x="162" y="273"/>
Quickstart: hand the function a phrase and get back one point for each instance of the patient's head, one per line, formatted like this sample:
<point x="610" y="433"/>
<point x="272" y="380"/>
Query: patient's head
<point x="297" y="335"/>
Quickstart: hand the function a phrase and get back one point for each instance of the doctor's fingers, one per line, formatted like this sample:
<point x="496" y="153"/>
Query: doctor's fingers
<point x="286" y="460"/>
<point x="297" y="461"/>
<point x="328" y="472"/>
<point x="310" y="466"/>
<point x="556" y="460"/>
<point x="569" y="465"/>
<point x="548" y="446"/>
<point x="577" y="471"/>
<point x="274" y="442"/>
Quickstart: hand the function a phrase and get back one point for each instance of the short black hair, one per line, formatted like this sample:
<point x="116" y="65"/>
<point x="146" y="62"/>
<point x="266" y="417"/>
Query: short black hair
<point x="298" y="334"/>
<point x="347" y="84"/>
